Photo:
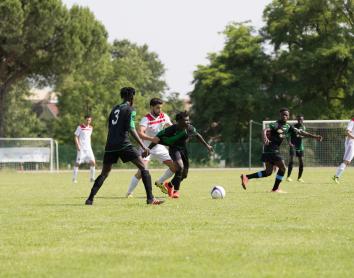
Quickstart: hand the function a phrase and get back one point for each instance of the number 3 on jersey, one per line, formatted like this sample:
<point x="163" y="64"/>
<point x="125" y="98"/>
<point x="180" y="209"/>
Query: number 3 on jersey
<point x="116" y="114"/>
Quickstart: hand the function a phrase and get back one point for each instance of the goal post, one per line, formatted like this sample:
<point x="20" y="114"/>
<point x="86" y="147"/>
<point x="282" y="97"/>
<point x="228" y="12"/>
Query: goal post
<point x="30" y="154"/>
<point x="327" y="153"/>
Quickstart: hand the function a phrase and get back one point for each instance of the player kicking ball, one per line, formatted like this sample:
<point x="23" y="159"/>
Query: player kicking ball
<point x="83" y="147"/>
<point x="150" y="125"/>
<point x="348" y="152"/>
<point x="296" y="147"/>
<point x="121" y="122"/>
<point x="273" y="138"/>
<point x="176" y="137"/>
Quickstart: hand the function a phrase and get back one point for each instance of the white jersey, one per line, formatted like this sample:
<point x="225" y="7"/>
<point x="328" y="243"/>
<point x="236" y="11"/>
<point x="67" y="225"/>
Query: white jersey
<point x="84" y="134"/>
<point x="154" y="125"/>
<point x="350" y="128"/>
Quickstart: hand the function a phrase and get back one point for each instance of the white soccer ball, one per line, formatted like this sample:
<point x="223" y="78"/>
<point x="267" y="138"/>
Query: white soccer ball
<point x="218" y="192"/>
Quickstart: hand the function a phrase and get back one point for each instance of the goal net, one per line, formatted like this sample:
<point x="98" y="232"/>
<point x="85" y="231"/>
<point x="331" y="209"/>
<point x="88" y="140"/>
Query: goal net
<point x="329" y="152"/>
<point x="29" y="154"/>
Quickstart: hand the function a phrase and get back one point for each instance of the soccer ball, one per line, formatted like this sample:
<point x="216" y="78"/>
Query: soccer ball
<point x="218" y="192"/>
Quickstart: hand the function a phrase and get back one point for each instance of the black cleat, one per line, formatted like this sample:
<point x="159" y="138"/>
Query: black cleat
<point x="89" y="202"/>
<point x="155" y="202"/>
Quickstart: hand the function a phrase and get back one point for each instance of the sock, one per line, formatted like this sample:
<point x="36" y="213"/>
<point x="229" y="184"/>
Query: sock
<point x="340" y="169"/>
<point x="92" y="172"/>
<point x="176" y="181"/>
<point x="145" y="176"/>
<point x="258" y="175"/>
<point x="278" y="179"/>
<point x="168" y="173"/>
<point x="133" y="184"/>
<point x="290" y="168"/>
<point x="96" y="186"/>
<point x="76" y="170"/>
<point x="301" y="169"/>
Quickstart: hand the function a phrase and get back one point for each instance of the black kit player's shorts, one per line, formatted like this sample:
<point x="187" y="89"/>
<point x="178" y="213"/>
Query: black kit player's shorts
<point x="293" y="151"/>
<point x="271" y="157"/>
<point x="127" y="154"/>
<point x="178" y="154"/>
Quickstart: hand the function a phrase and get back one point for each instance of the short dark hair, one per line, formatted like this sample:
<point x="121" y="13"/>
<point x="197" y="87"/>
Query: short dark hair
<point x="127" y="92"/>
<point x="88" y="116"/>
<point x="283" y="109"/>
<point x="155" y="101"/>
<point x="181" y="115"/>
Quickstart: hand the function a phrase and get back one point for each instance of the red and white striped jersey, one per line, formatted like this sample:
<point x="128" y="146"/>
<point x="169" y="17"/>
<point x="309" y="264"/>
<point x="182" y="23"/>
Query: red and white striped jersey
<point x="154" y="124"/>
<point x="84" y="134"/>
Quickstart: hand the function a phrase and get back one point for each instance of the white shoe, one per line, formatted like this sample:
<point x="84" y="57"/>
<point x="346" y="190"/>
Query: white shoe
<point x="92" y="180"/>
<point x="74" y="181"/>
<point x="129" y="195"/>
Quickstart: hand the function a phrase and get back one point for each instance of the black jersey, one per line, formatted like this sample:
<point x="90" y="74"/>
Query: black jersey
<point x="296" y="138"/>
<point x="278" y="131"/>
<point x="120" y="121"/>
<point x="176" y="138"/>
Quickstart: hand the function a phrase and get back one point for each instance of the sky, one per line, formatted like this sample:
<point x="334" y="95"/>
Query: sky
<point x="181" y="32"/>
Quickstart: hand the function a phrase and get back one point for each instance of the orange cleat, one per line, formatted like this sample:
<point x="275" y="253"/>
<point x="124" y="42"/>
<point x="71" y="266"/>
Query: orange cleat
<point x="169" y="188"/>
<point x="175" y="194"/>
<point x="244" y="181"/>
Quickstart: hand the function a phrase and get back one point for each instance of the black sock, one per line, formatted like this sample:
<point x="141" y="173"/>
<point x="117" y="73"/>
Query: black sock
<point x="301" y="169"/>
<point x="278" y="179"/>
<point x="290" y="168"/>
<point x="96" y="186"/>
<point x="258" y="175"/>
<point x="145" y="176"/>
<point x="176" y="181"/>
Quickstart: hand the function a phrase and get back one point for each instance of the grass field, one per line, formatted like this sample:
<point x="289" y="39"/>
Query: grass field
<point x="46" y="231"/>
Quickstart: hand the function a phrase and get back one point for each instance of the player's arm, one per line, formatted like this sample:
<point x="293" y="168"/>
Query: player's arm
<point x="350" y="128"/>
<point x="265" y="137"/>
<point x="349" y="134"/>
<point x="308" y="134"/>
<point x="144" y="136"/>
<point x="201" y="140"/>
<point x="76" y="138"/>
<point x="135" y="135"/>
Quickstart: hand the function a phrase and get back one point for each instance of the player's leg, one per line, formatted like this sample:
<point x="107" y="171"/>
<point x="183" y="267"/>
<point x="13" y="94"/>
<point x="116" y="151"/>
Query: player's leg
<point x="260" y="174"/>
<point x="92" y="163"/>
<point x="347" y="158"/>
<point x="301" y="168"/>
<point x="185" y="169"/>
<point x="106" y="168"/>
<point x="280" y="175"/>
<point x="177" y="178"/>
<point x="76" y="166"/>
<point x="135" y="180"/>
<point x="161" y="154"/>
<point x="291" y="163"/>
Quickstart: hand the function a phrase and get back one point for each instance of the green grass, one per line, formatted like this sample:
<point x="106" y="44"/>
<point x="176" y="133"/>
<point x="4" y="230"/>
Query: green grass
<point x="46" y="231"/>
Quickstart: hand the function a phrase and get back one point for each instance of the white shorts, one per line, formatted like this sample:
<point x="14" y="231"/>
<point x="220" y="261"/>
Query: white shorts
<point x="349" y="150"/>
<point x="84" y="156"/>
<point x="160" y="153"/>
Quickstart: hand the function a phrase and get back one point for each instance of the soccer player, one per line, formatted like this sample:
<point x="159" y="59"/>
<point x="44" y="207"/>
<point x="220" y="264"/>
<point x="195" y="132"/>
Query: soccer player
<point x="176" y="137"/>
<point x="120" y="124"/>
<point x="273" y="138"/>
<point x="150" y="125"/>
<point x="83" y="148"/>
<point x="349" y="151"/>
<point x="296" y="147"/>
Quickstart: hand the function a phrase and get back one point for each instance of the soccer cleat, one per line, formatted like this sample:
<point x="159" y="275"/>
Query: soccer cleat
<point x="289" y="179"/>
<point x="278" y="191"/>
<point x="89" y="202"/>
<point x="244" y="181"/>
<point x="74" y="180"/>
<point x="92" y="180"/>
<point x="162" y="187"/>
<point x="175" y="194"/>
<point x="336" y="179"/>
<point x="129" y="195"/>
<point x="300" y="180"/>
<point x="155" y="202"/>
<point x="169" y="187"/>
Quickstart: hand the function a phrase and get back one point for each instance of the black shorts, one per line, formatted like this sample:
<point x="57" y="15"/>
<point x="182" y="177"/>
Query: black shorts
<point x="127" y="154"/>
<point x="177" y="154"/>
<point x="271" y="157"/>
<point x="293" y="151"/>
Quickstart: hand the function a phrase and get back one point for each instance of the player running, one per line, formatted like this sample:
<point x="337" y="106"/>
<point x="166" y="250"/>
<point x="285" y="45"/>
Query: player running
<point x="176" y="137"/>
<point x="348" y="152"/>
<point x="273" y="138"/>
<point x="296" y="147"/>
<point x="83" y="147"/>
<point x="120" y="123"/>
<point x="150" y="125"/>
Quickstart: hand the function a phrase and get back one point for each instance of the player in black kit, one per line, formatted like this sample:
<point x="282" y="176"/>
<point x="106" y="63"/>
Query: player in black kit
<point x="121" y="121"/>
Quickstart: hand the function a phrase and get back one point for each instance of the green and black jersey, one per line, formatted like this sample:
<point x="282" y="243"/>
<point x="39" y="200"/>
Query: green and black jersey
<point x="278" y="131"/>
<point x="175" y="137"/>
<point x="296" y="138"/>
<point x="120" y="121"/>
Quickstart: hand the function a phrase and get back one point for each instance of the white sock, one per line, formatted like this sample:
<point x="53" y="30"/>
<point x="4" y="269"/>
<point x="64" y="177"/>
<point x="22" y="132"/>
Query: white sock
<point x="133" y="183"/>
<point x="168" y="173"/>
<point x="76" y="170"/>
<point x="92" y="172"/>
<point x="340" y="169"/>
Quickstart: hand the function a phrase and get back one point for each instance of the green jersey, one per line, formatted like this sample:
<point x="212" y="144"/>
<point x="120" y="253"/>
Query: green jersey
<point x="175" y="137"/>
<point x="296" y="138"/>
<point x="278" y="131"/>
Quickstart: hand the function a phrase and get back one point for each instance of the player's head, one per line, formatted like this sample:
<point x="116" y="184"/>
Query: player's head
<point x="300" y="118"/>
<point x="88" y="119"/>
<point x="284" y="114"/>
<point x="156" y="106"/>
<point x="127" y="94"/>
<point x="182" y="119"/>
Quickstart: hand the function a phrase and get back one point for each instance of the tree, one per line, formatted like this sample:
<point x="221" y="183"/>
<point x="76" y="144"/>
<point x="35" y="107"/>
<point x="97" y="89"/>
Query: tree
<point x="41" y="40"/>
